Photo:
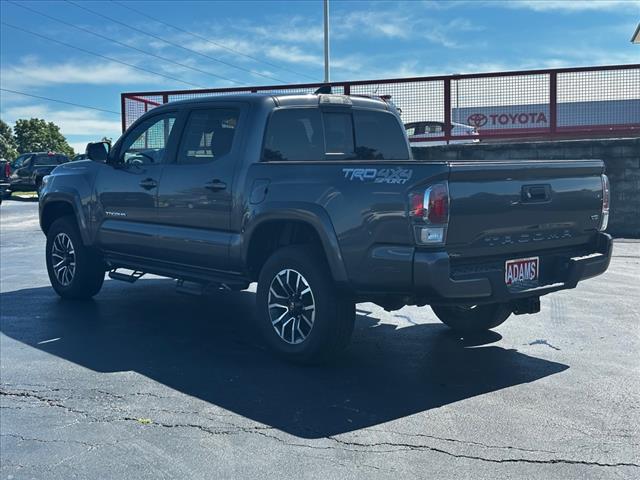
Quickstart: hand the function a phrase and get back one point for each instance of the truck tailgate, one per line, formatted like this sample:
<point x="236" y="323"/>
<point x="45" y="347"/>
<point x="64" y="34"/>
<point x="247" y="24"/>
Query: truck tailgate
<point x="522" y="206"/>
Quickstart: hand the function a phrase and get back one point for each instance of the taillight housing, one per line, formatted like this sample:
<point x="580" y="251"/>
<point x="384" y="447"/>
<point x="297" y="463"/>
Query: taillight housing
<point x="7" y="170"/>
<point x="606" y="200"/>
<point x="430" y="212"/>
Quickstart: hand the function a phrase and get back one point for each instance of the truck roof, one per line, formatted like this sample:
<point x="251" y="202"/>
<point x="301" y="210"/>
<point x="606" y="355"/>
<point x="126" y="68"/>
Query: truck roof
<point x="288" y="99"/>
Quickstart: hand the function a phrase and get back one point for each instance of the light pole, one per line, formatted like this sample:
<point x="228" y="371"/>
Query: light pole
<point x="326" y="41"/>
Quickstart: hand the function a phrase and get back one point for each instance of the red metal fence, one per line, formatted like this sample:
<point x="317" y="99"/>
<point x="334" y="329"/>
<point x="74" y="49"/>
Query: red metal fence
<point x="559" y="103"/>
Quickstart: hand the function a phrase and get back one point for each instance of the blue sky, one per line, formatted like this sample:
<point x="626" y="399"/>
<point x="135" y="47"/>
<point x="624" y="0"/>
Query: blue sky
<point x="281" y="42"/>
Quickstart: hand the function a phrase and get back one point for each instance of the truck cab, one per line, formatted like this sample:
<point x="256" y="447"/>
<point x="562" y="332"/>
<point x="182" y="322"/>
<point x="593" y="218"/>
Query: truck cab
<point x="318" y="199"/>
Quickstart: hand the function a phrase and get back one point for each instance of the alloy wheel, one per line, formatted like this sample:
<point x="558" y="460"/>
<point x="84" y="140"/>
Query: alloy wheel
<point x="292" y="307"/>
<point x="63" y="259"/>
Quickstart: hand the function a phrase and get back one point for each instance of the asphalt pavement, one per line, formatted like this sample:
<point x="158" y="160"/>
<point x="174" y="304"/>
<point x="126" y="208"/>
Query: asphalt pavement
<point x="143" y="382"/>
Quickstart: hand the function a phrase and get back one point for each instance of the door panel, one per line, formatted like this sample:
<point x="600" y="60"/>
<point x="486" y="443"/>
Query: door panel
<point x="123" y="204"/>
<point x="195" y="195"/>
<point x="127" y="189"/>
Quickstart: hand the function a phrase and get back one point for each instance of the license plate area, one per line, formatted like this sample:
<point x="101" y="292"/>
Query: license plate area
<point x="522" y="273"/>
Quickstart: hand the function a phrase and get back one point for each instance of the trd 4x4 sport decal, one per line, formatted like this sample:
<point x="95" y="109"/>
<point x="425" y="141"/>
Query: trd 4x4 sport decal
<point x="398" y="175"/>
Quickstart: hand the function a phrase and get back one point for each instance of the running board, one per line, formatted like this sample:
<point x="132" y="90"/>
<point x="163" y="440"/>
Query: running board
<point x="126" y="277"/>
<point x="197" y="288"/>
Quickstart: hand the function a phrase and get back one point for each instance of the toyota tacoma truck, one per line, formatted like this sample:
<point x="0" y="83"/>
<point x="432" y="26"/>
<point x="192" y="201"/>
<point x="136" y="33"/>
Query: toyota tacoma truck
<point x="317" y="199"/>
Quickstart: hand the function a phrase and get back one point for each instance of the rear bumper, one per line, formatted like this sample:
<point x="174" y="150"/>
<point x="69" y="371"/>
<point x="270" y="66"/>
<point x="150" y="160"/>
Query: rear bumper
<point x="435" y="278"/>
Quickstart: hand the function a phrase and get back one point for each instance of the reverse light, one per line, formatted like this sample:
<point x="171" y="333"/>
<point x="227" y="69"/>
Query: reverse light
<point x="431" y="235"/>
<point x="606" y="199"/>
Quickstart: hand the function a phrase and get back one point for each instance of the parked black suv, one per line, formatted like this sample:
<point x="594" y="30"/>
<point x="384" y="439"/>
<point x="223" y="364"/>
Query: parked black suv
<point x="317" y="198"/>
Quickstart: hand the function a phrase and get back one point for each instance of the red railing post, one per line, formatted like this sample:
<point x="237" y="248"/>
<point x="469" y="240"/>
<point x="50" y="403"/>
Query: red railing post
<point x="123" y="112"/>
<point x="165" y="98"/>
<point x="347" y="89"/>
<point x="553" y="102"/>
<point x="447" y="109"/>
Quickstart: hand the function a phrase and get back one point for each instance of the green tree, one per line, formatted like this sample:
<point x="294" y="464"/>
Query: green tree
<point x="37" y="135"/>
<point x="8" y="146"/>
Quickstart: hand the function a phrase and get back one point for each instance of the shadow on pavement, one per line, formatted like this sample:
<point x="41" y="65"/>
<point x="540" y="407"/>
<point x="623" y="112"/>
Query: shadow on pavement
<point x="209" y="348"/>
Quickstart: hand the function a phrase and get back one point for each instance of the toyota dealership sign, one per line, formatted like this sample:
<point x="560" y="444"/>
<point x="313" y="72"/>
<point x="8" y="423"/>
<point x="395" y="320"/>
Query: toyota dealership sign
<point x="495" y="119"/>
<point x="536" y="116"/>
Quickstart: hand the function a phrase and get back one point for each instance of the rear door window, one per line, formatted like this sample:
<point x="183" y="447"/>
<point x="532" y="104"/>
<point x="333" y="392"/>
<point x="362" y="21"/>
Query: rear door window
<point x="208" y="135"/>
<point x="294" y="134"/>
<point x="379" y="136"/>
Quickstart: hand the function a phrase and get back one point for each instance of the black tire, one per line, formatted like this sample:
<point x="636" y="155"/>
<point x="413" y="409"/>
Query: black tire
<point x="334" y="312"/>
<point x="88" y="275"/>
<point x="473" y="318"/>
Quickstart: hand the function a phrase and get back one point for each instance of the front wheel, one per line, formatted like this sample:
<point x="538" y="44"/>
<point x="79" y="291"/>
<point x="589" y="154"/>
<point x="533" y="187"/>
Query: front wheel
<point x="302" y="314"/>
<point x="472" y="318"/>
<point x="75" y="271"/>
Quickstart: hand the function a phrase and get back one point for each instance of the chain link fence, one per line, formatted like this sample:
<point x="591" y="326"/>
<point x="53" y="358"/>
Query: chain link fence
<point x="539" y="104"/>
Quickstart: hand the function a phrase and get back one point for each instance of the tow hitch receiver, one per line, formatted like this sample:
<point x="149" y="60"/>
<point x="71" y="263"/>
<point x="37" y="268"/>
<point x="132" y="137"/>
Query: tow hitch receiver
<point x="526" y="305"/>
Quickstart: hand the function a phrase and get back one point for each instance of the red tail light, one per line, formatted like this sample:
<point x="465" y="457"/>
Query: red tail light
<point x="7" y="170"/>
<point x="430" y="210"/>
<point x="417" y="205"/>
<point x="437" y="204"/>
<point x="432" y="206"/>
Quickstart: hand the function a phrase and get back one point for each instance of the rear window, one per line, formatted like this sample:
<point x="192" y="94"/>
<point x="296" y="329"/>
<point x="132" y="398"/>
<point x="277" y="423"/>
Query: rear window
<point x="299" y="134"/>
<point x="379" y="136"/>
<point x="42" y="160"/>
<point x="294" y="134"/>
<point x="338" y="135"/>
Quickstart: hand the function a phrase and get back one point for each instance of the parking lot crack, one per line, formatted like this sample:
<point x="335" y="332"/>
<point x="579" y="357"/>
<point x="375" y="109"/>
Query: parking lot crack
<point x="471" y="442"/>
<point x="36" y="395"/>
<point x="408" y="446"/>
<point x="389" y="447"/>
<point x="42" y="440"/>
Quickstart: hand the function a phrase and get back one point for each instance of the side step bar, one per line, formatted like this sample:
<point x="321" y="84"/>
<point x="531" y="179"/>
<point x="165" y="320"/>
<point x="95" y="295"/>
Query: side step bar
<point x="197" y="288"/>
<point x="126" y="277"/>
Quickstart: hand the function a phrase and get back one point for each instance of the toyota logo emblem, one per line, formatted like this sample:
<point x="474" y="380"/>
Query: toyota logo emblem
<point x="477" y="119"/>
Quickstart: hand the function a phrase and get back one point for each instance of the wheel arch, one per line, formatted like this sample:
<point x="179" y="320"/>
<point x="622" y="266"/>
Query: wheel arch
<point x="55" y="205"/>
<point x="275" y="225"/>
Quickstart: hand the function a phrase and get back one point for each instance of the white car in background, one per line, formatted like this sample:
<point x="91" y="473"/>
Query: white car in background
<point x="421" y="133"/>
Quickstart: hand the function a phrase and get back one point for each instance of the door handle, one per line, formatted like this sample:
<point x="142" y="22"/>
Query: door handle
<point x="148" y="183"/>
<point x="215" y="185"/>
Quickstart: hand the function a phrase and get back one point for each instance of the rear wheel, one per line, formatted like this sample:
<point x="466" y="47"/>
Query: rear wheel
<point x="75" y="271"/>
<point x="472" y="318"/>
<point x="302" y="314"/>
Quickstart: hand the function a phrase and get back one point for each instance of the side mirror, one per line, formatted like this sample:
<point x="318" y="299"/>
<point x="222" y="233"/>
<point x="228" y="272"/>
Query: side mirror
<point x="98" y="151"/>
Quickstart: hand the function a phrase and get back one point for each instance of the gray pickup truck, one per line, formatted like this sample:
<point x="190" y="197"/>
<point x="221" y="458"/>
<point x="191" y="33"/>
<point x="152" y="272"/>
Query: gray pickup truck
<point x="317" y="198"/>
